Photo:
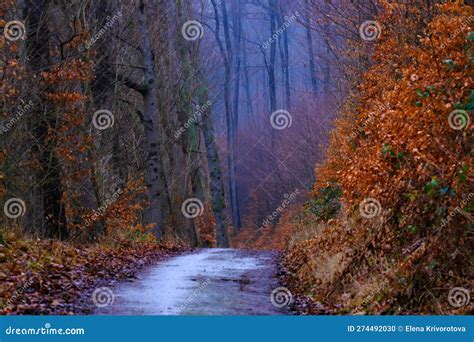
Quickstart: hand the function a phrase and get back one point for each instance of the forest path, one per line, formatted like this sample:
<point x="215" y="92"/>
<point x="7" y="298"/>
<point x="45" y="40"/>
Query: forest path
<point x="205" y="282"/>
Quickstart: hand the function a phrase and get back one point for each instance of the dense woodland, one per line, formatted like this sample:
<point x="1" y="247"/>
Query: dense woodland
<point x="339" y="132"/>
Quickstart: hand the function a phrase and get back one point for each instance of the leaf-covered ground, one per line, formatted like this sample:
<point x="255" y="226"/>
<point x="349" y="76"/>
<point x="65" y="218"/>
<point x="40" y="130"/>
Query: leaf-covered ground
<point x="50" y="277"/>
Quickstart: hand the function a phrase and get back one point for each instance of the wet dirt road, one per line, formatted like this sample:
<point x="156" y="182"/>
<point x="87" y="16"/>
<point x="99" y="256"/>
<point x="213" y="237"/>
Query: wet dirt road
<point x="205" y="282"/>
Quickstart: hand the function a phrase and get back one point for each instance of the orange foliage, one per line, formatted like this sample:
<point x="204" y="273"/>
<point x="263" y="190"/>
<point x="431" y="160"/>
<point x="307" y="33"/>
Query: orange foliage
<point x="73" y="141"/>
<point x="206" y="227"/>
<point x="267" y="238"/>
<point x="395" y="142"/>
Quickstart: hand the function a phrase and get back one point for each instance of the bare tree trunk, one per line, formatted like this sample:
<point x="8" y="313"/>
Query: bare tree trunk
<point x="272" y="58"/>
<point x="234" y="200"/>
<point x="272" y="4"/>
<point x="327" y="69"/>
<point x="285" y="60"/>
<point x="49" y="176"/>
<point x="228" y="62"/>
<point x="190" y="139"/>
<point x="102" y="91"/>
<point x="237" y="51"/>
<point x="250" y="110"/>
<point x="153" y="172"/>
<point x="215" y="174"/>
<point x="309" y="40"/>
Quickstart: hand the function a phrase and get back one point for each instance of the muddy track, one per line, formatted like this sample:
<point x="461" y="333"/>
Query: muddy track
<point x="205" y="282"/>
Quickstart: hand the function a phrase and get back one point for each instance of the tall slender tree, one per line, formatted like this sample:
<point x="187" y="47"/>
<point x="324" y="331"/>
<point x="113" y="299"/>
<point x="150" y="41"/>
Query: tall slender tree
<point x="157" y="191"/>
<point x="227" y="57"/>
<point x="48" y="177"/>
